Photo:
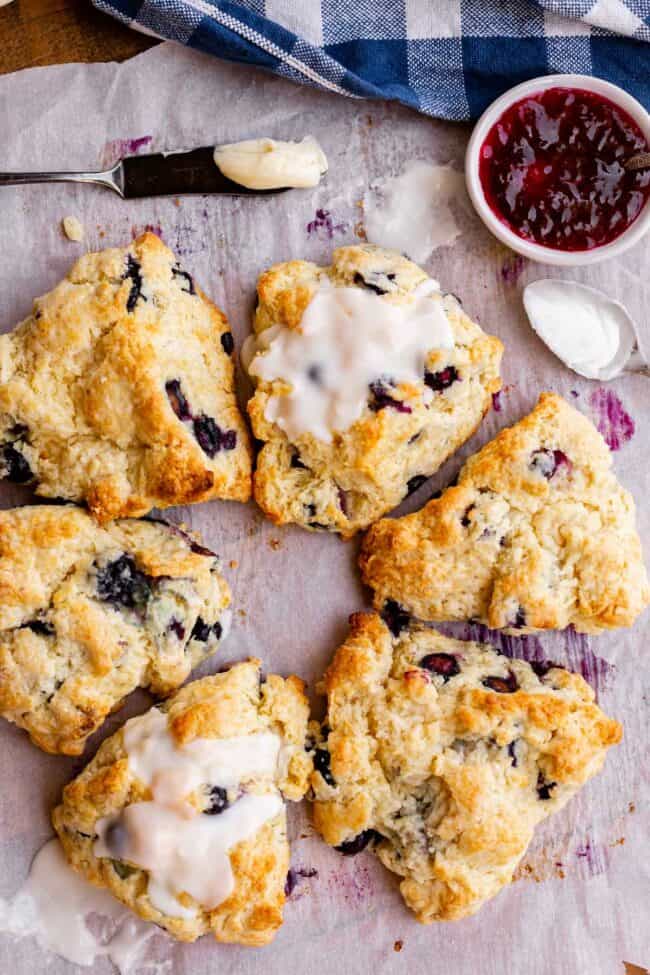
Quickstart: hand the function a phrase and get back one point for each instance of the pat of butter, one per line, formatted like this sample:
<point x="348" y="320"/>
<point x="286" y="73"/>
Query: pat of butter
<point x="264" y="164"/>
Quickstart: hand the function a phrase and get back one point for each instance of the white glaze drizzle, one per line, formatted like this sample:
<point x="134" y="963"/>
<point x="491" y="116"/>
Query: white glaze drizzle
<point x="348" y="338"/>
<point x="264" y="164"/>
<point x="183" y="849"/>
<point x="412" y="212"/>
<point x="53" y="904"/>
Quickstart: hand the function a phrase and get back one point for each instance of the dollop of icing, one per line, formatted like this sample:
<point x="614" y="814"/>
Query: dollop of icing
<point x="347" y="340"/>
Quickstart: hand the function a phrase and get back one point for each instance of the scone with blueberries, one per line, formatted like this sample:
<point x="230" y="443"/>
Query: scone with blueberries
<point x="118" y="390"/>
<point x="87" y="614"/>
<point x="367" y="379"/>
<point x="181" y="814"/>
<point x="537" y="534"/>
<point x="441" y="756"/>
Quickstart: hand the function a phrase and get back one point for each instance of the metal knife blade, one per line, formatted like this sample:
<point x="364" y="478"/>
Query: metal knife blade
<point x="159" y="174"/>
<point x="177" y="173"/>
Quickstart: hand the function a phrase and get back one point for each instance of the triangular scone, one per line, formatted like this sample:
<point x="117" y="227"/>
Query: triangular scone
<point x="442" y="756"/>
<point x="180" y="814"/>
<point x="346" y="437"/>
<point x="87" y="614"/>
<point x="118" y="390"/>
<point x="538" y="534"/>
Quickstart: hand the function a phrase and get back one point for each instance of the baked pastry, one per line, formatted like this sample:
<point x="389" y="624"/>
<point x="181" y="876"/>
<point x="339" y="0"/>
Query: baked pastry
<point x="537" y="534"/>
<point x="87" y="614"/>
<point x="442" y="755"/>
<point x="368" y="378"/>
<point x="118" y="390"/>
<point x="180" y="814"/>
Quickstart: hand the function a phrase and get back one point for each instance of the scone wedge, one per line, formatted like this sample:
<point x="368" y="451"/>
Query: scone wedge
<point x="118" y="390"/>
<point x="367" y="379"/>
<point x="181" y="814"/>
<point x="537" y="534"/>
<point x="87" y="614"/>
<point x="442" y="755"/>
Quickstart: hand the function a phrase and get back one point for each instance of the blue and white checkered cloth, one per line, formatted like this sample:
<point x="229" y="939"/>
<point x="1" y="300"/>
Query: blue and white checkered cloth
<point x="448" y="58"/>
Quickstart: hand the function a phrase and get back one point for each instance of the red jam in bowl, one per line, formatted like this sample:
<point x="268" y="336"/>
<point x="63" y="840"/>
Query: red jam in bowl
<point x="551" y="168"/>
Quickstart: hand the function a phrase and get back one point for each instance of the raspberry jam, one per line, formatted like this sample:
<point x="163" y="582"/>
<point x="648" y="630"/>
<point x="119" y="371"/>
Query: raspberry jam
<point x="551" y="169"/>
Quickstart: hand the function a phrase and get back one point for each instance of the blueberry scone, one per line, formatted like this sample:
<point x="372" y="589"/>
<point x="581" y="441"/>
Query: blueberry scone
<point x="367" y="379"/>
<point x="87" y="614"/>
<point x="118" y="390"/>
<point x="181" y="813"/>
<point x="442" y="755"/>
<point x="537" y="534"/>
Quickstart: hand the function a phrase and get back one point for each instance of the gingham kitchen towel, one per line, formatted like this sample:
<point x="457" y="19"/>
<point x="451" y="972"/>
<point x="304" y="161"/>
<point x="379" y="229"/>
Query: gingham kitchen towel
<point x="448" y="58"/>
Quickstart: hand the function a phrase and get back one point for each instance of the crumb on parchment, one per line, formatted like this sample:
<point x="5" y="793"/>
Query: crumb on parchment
<point x="73" y="229"/>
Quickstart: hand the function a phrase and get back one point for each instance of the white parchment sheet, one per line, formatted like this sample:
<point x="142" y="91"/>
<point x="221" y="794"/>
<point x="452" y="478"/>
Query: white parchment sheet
<point x="580" y="906"/>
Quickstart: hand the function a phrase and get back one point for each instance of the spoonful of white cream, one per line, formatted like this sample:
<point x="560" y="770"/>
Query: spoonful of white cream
<point x="590" y="332"/>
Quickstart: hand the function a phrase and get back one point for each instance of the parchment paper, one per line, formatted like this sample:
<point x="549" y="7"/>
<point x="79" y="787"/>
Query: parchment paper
<point x="581" y="905"/>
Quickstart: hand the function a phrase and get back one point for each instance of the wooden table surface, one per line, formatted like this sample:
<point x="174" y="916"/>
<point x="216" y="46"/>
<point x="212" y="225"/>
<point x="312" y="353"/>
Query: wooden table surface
<point x="38" y="32"/>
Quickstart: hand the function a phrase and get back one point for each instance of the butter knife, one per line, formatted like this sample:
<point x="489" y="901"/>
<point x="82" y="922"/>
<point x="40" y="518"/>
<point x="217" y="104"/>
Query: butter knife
<point x="158" y="174"/>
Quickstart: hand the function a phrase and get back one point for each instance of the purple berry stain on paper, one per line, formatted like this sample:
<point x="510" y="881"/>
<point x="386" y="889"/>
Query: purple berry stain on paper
<point x="293" y="888"/>
<point x="352" y="882"/>
<point x="116" y="149"/>
<point x="612" y="419"/>
<point x="578" y="655"/>
<point x="593" y="855"/>
<point x="323" y="225"/>
<point x="512" y="268"/>
<point x="132" y="146"/>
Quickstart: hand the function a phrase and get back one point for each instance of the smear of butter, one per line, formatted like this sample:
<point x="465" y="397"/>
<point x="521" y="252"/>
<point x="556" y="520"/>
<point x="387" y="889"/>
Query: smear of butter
<point x="264" y="164"/>
<point x="587" y="330"/>
<point x="412" y="213"/>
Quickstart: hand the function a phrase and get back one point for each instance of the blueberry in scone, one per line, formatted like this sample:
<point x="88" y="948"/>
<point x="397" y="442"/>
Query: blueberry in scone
<point x="87" y="614"/>
<point x="537" y="534"/>
<point x="442" y="756"/>
<point x="118" y="390"/>
<point x="181" y="813"/>
<point x="367" y="379"/>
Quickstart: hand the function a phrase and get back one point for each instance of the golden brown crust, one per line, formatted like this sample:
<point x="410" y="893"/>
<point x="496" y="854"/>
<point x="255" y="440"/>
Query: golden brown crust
<point x="87" y="614"/>
<point x="225" y="705"/>
<point x="538" y="534"/>
<point x="452" y="753"/>
<point x="96" y="422"/>
<point x="346" y="485"/>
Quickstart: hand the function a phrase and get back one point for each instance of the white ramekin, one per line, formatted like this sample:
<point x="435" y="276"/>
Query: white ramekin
<point x="537" y="252"/>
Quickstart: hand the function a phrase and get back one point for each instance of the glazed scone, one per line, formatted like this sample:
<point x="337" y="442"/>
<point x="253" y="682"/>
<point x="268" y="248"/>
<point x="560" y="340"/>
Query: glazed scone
<point x="368" y="378"/>
<point x="87" y="614"/>
<point x="537" y="534"/>
<point x="442" y="755"/>
<point x="118" y="390"/>
<point x="181" y="813"/>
